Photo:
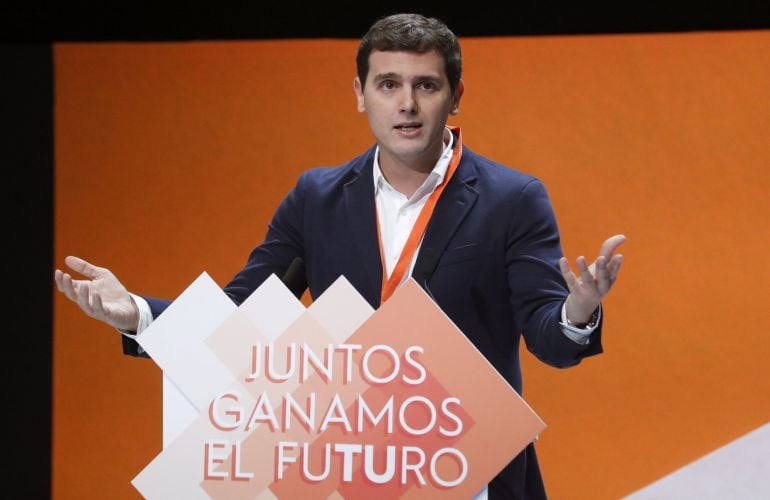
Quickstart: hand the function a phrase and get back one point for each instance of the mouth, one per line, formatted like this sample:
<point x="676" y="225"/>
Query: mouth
<point x="408" y="126"/>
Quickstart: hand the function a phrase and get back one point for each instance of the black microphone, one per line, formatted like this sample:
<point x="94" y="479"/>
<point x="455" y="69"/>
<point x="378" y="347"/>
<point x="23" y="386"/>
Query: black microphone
<point x="427" y="260"/>
<point x="294" y="277"/>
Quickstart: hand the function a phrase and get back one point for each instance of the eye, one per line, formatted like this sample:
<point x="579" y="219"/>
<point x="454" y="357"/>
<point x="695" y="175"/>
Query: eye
<point x="388" y="85"/>
<point x="429" y="86"/>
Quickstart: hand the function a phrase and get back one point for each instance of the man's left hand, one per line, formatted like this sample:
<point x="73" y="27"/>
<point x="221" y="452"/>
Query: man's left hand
<point x="587" y="290"/>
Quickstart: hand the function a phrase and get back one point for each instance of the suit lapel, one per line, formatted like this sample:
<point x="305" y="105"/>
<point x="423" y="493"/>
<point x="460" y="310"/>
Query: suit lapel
<point x="361" y="213"/>
<point x="456" y="201"/>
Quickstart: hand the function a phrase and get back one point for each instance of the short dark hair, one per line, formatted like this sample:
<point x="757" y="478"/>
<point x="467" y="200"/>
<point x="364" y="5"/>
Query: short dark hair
<point x="414" y="33"/>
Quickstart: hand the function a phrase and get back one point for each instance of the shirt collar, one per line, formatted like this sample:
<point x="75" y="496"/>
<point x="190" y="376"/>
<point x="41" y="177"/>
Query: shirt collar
<point x="435" y="177"/>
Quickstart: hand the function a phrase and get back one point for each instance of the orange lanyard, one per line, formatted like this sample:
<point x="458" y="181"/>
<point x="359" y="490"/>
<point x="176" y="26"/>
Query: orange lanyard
<point x="389" y="285"/>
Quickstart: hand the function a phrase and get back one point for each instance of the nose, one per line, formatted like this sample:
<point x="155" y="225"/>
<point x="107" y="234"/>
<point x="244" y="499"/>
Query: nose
<point x="408" y="102"/>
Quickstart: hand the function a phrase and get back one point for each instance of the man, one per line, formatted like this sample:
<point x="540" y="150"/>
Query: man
<point x="479" y="237"/>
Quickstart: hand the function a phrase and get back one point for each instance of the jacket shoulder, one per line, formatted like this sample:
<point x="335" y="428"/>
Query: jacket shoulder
<point x="336" y="175"/>
<point x="494" y="174"/>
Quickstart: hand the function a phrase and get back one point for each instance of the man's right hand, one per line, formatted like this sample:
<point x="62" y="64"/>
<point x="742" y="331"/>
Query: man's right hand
<point x="100" y="296"/>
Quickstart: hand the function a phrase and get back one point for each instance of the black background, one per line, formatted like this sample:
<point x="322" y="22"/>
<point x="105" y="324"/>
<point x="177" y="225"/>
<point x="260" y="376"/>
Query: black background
<point x="27" y="32"/>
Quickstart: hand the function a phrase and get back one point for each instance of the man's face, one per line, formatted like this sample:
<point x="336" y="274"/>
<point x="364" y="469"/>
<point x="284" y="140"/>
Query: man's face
<point x="407" y="99"/>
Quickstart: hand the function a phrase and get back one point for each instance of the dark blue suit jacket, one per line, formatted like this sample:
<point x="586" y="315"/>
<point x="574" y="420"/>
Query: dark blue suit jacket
<point x="489" y="258"/>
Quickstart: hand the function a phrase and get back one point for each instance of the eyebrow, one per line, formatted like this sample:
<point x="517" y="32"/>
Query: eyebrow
<point x="396" y="76"/>
<point x="386" y="76"/>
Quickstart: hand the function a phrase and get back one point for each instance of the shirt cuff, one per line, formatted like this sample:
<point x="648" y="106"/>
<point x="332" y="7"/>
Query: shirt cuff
<point x="145" y="318"/>
<point x="574" y="333"/>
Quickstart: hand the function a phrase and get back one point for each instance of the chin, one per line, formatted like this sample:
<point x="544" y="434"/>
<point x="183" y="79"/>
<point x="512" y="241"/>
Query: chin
<point x="410" y="153"/>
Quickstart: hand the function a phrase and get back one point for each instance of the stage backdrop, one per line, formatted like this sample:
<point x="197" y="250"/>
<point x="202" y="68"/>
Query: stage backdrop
<point x="171" y="157"/>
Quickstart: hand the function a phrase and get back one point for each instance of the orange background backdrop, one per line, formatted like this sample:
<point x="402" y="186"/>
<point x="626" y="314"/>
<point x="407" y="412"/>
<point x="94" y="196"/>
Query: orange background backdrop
<point x="171" y="157"/>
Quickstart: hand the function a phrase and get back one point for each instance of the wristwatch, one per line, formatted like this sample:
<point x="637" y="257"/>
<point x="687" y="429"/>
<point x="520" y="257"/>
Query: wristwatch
<point x="591" y="321"/>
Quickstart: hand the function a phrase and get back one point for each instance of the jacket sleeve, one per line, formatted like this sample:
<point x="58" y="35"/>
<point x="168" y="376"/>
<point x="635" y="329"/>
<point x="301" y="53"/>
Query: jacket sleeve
<point x="130" y="346"/>
<point x="538" y="289"/>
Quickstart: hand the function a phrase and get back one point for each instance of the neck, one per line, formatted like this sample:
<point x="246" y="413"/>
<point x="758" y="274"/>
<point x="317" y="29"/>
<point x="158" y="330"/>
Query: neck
<point x="405" y="177"/>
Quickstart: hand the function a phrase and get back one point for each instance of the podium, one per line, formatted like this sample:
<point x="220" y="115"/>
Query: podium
<point x="274" y="400"/>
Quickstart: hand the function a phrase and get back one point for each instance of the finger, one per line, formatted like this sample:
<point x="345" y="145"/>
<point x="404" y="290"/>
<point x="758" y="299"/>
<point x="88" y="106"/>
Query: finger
<point x="602" y="276"/>
<point x="57" y="278"/>
<point x="98" y="307"/>
<point x="611" y="244"/>
<point x="68" y="287"/>
<point x="64" y="285"/>
<point x="585" y="275"/>
<point x="83" y="299"/>
<point x="569" y="276"/>
<point x="614" y="267"/>
<point x="83" y="267"/>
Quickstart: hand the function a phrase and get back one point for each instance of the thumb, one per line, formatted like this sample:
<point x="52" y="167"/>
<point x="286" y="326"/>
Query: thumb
<point x="611" y="244"/>
<point x="83" y="267"/>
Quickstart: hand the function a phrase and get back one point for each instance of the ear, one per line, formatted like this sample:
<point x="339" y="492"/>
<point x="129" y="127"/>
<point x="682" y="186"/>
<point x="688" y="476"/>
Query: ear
<point x="458" y="94"/>
<point x="359" y="95"/>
